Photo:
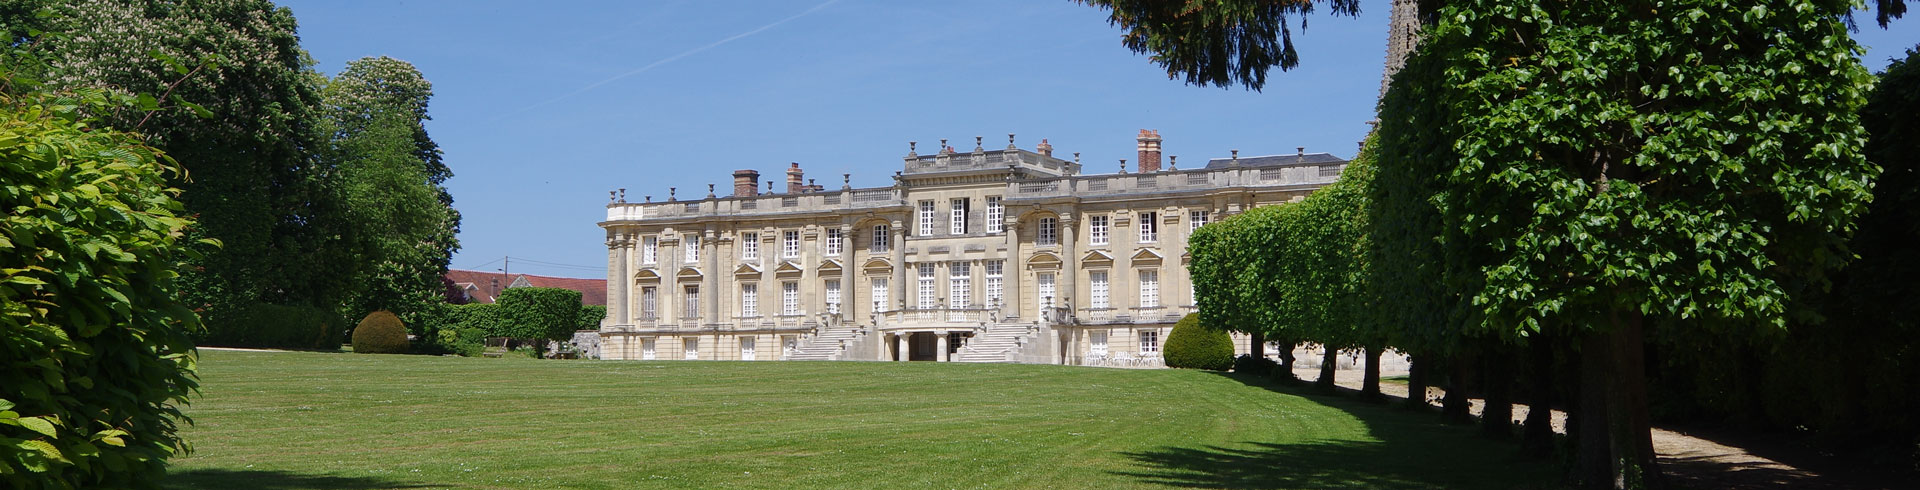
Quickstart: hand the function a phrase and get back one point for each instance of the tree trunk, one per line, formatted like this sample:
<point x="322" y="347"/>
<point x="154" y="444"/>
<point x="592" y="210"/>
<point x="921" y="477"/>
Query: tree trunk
<point x="1616" y="442"/>
<point x="1538" y="437"/>
<point x="1370" y="383"/>
<point x="1455" y="408"/>
<point x="1496" y="377"/>
<point x="1258" y="345"/>
<point x="1417" y="367"/>
<point x="1328" y="361"/>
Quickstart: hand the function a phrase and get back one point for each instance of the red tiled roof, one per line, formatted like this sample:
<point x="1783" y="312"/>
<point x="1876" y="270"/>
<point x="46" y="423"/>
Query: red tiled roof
<point x="592" y="291"/>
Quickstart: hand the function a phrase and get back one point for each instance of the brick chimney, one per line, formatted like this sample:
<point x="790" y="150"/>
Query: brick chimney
<point x="1045" y="148"/>
<point x="1149" y="150"/>
<point x="796" y="180"/>
<point x="746" y="183"/>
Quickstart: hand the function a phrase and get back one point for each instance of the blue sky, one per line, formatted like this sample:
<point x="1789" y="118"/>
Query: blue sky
<point x="543" y="109"/>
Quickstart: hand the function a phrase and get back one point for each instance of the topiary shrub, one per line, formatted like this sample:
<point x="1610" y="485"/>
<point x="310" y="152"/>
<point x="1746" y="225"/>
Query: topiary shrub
<point x="380" y="333"/>
<point x="1194" y="346"/>
<point x="540" y="313"/>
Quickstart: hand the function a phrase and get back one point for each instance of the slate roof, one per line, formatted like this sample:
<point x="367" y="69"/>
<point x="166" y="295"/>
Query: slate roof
<point x="1276" y="160"/>
<point x="479" y="285"/>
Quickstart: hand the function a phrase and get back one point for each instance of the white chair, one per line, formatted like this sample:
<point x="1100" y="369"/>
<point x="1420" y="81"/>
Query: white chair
<point x="1152" y="359"/>
<point x="1123" y="358"/>
<point x="1094" y="359"/>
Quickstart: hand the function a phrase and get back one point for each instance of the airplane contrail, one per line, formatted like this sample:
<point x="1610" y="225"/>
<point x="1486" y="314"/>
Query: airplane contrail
<point x="671" y="59"/>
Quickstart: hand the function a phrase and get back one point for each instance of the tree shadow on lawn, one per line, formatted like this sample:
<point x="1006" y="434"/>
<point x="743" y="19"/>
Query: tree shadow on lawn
<point x="1413" y="451"/>
<point x="278" y="480"/>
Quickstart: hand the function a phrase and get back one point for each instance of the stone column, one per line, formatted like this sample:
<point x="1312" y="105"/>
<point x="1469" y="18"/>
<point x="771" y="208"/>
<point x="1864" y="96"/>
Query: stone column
<point x="847" y="296"/>
<point x="1069" y="266"/>
<point x="710" y="279"/>
<point x="899" y="285"/>
<point x="618" y="282"/>
<point x="940" y="345"/>
<point x="669" y="301"/>
<point x="900" y="346"/>
<point x="1012" y="273"/>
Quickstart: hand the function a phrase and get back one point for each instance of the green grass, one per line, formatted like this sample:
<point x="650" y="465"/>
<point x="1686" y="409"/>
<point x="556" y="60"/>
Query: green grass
<point x="345" y="421"/>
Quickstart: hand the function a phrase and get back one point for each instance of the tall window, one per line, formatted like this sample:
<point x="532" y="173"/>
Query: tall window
<point x="960" y="285"/>
<point x="926" y="218"/>
<point x="1149" y="341"/>
<point x="881" y="239"/>
<point x="749" y="300"/>
<point x="649" y="350"/>
<point x="746" y="348"/>
<point x="1197" y="219"/>
<point x="691" y="242"/>
<point x="1149" y="289"/>
<point x="1097" y="229"/>
<point x="650" y="250"/>
<point x="926" y="286"/>
<point x="749" y="246"/>
<point x="879" y="294"/>
<point x="691" y="349"/>
<point x="1098" y="341"/>
<point x="789" y="298"/>
<point x="994" y="269"/>
<point x="1149" y="227"/>
<point x="833" y="296"/>
<point x="1048" y="296"/>
<point x="1098" y="280"/>
<point x="790" y="244"/>
<point x="960" y="216"/>
<point x="1049" y="233"/>
<point x="996" y="215"/>
<point x="835" y="240"/>
<point x="692" y="311"/>
<point x="649" y="299"/>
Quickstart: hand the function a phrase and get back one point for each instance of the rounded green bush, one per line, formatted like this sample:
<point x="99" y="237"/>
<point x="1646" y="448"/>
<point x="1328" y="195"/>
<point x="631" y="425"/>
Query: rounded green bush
<point x="380" y="333"/>
<point x="1195" y="346"/>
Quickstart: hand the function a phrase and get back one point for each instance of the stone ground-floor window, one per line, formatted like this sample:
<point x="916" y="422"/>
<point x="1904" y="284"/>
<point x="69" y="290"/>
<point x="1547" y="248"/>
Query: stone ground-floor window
<point x="1098" y="342"/>
<point x="1149" y="341"/>
<point x="692" y="349"/>
<point x="647" y="349"/>
<point x="746" y="348"/>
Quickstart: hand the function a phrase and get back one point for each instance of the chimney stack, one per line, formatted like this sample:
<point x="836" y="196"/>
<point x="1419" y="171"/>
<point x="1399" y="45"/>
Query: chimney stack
<point x="1149" y="150"/>
<point x="796" y="179"/>
<point x="1045" y="149"/>
<point x="746" y="183"/>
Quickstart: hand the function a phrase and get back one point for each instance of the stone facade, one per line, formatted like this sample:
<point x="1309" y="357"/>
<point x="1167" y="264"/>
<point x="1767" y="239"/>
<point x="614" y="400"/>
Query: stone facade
<point x="999" y="255"/>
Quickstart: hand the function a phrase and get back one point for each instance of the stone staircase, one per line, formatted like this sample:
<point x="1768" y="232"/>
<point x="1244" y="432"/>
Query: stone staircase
<point x="999" y="343"/>
<point x="827" y="345"/>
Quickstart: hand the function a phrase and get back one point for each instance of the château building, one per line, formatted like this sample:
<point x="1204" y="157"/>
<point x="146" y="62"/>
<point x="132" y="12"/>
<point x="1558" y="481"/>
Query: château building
<point x="989" y="255"/>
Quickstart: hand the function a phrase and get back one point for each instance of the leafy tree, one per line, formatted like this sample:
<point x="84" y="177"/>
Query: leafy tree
<point x="245" y="125"/>
<point x="1215" y="42"/>
<point x="591" y="316"/>
<point x="95" y="353"/>
<point x="401" y="223"/>
<point x="1588" y="179"/>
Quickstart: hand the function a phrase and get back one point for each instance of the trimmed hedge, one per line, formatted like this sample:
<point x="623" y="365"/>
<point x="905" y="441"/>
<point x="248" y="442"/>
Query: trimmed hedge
<point x="540" y="313"/>
<point x="275" y="326"/>
<point x="590" y="317"/>
<point x="1194" y="346"/>
<point x="380" y="333"/>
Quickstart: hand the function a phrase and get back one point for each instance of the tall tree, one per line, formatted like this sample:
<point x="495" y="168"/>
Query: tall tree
<point x="389" y="172"/>
<point x="1617" y="169"/>
<point x="252" y="177"/>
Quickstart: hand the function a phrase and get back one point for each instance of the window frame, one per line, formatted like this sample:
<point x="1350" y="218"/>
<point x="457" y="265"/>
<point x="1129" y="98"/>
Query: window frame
<point x="996" y="215"/>
<point x="1099" y="230"/>
<point x="1149" y="227"/>
<point x="749" y="245"/>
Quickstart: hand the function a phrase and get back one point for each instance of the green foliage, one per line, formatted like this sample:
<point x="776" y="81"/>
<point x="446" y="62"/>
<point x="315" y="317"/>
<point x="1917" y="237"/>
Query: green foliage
<point x="95" y="348"/>
<point x="400" y="221"/>
<point x="540" y="313"/>
<point x="591" y="316"/>
<point x="469" y="342"/>
<point x="244" y="124"/>
<point x="1194" y="345"/>
<point x="381" y="332"/>
<point x="490" y="319"/>
<point x="1215" y="42"/>
<point x="275" y="326"/>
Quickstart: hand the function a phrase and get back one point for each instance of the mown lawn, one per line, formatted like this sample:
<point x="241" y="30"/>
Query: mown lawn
<point x="345" y="421"/>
